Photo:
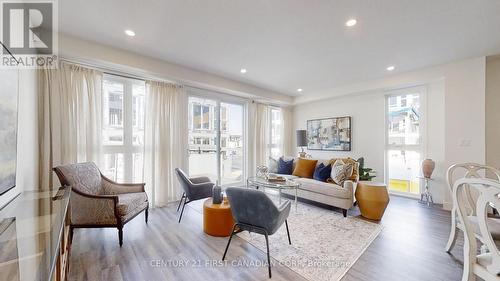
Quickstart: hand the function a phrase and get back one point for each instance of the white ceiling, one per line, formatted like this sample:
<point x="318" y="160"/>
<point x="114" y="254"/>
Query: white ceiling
<point x="290" y="44"/>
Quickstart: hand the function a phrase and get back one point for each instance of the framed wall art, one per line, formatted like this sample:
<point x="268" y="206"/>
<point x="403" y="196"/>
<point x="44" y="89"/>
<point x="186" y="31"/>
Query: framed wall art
<point x="332" y="134"/>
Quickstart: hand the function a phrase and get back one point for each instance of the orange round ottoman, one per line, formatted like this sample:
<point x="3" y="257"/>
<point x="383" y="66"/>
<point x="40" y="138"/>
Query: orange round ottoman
<point x="217" y="218"/>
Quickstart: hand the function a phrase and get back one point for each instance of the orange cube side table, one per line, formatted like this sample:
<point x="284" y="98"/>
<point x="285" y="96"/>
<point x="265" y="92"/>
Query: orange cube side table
<point x="217" y="218"/>
<point x="372" y="199"/>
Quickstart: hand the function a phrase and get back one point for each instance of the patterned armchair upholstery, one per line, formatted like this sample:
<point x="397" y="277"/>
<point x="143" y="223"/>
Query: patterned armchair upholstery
<point x="97" y="201"/>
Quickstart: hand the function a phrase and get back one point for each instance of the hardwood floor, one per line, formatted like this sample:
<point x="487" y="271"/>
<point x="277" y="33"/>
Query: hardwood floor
<point x="410" y="247"/>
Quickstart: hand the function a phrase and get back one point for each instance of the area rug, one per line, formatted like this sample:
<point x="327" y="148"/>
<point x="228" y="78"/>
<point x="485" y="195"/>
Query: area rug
<point x="324" y="243"/>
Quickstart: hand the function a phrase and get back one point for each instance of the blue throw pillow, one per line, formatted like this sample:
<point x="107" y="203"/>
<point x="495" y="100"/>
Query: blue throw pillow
<point x="322" y="172"/>
<point x="285" y="167"/>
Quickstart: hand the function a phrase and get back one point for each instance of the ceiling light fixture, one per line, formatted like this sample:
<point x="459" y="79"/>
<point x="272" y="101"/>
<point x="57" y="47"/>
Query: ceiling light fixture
<point x="351" y="22"/>
<point x="391" y="68"/>
<point x="299" y="90"/>
<point x="130" y="33"/>
<point x="243" y="70"/>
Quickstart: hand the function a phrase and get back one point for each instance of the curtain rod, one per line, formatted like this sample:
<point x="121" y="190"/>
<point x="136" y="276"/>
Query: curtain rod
<point x="110" y="71"/>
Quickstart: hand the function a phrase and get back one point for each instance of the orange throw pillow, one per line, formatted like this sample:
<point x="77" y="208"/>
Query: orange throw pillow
<point x="305" y="168"/>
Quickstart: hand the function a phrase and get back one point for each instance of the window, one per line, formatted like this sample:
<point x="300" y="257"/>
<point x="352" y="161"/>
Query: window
<point x="216" y="147"/>
<point x="404" y="141"/>
<point x="123" y="128"/>
<point x="275" y="142"/>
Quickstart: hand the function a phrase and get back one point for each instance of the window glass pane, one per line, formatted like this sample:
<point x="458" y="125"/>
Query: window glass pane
<point x="404" y="171"/>
<point x="231" y="143"/>
<point x="202" y="143"/>
<point x="197" y="119"/>
<point x="404" y="120"/>
<point x="113" y="112"/>
<point x="123" y="128"/>
<point x="113" y="167"/>
<point x="138" y="99"/>
<point x="138" y="160"/>
<point x="275" y="133"/>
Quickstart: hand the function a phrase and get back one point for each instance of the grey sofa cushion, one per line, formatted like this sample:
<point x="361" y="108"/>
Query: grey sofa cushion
<point x="325" y="188"/>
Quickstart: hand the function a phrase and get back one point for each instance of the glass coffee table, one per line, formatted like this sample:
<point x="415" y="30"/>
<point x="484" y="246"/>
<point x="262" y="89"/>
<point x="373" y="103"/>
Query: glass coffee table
<point x="264" y="183"/>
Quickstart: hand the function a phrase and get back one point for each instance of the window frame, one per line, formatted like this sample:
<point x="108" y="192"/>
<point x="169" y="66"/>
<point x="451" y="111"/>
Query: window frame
<point x="127" y="148"/>
<point x="223" y="98"/>
<point x="421" y="147"/>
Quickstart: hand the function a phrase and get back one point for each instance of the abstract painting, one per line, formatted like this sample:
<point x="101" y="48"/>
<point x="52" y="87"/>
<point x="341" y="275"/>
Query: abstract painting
<point x="329" y="134"/>
<point x="8" y="129"/>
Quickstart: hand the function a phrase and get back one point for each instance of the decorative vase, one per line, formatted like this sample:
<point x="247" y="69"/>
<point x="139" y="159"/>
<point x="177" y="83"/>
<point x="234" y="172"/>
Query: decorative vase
<point x="428" y="166"/>
<point x="217" y="194"/>
<point x="261" y="171"/>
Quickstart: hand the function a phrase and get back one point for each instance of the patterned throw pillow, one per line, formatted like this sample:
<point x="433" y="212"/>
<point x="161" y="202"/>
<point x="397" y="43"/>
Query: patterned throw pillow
<point x="273" y="165"/>
<point x="341" y="172"/>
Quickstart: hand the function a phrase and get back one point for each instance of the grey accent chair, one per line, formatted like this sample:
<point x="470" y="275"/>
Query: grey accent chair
<point x="194" y="189"/>
<point x="254" y="211"/>
<point x="97" y="201"/>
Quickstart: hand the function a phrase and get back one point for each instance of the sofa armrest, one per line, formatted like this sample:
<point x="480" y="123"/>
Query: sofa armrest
<point x="111" y="187"/>
<point x="87" y="209"/>
<point x="350" y="186"/>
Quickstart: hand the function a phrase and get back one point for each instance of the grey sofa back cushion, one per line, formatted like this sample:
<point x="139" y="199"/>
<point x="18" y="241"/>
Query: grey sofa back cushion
<point x="84" y="177"/>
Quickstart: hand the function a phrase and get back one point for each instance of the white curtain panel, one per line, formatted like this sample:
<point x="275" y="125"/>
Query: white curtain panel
<point x="166" y="131"/>
<point x="262" y="134"/>
<point x="287" y="135"/>
<point x="69" y="116"/>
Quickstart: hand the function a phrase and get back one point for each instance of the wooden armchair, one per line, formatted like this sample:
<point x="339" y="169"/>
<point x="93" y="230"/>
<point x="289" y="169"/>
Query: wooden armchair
<point x="97" y="201"/>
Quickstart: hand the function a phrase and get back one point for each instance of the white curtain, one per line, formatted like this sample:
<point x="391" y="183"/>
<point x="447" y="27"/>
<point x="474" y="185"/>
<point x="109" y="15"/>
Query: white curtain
<point x="287" y="135"/>
<point x="262" y="134"/>
<point x="166" y="130"/>
<point x="69" y="116"/>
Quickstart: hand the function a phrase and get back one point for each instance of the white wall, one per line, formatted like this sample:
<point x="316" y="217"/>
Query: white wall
<point x="455" y="117"/>
<point x="493" y="112"/>
<point x="116" y="59"/>
<point x="27" y="136"/>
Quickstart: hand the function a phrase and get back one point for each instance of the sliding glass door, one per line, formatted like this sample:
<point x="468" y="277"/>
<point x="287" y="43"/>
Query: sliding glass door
<point x="216" y="140"/>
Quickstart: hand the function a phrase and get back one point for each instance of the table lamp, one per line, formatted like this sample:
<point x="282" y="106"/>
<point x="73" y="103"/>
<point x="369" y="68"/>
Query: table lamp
<point x="302" y="142"/>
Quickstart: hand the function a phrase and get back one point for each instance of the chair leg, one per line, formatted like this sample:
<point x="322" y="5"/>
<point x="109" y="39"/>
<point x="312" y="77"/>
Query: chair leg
<point x="120" y="235"/>
<point x="146" y="214"/>
<point x="453" y="232"/>
<point x="229" y="241"/>
<point x="268" y="257"/>
<point x="180" y="201"/>
<point x="344" y="212"/>
<point x="288" y="232"/>
<point x="71" y="230"/>
<point x="182" y="211"/>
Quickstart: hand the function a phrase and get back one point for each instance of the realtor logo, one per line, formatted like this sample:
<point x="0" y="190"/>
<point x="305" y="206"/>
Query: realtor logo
<point x="28" y="34"/>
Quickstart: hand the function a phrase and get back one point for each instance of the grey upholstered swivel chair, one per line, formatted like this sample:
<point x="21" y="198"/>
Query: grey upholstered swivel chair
<point x="254" y="211"/>
<point x="194" y="189"/>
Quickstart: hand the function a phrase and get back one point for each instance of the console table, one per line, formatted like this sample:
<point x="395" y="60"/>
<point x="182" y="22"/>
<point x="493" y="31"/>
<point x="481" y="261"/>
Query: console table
<point x="34" y="236"/>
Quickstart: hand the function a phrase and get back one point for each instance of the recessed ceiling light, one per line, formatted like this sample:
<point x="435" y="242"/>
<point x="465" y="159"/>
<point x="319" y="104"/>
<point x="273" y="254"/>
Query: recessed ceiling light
<point x="391" y="68"/>
<point x="351" y="22"/>
<point x="299" y="90"/>
<point x="243" y="70"/>
<point x="130" y="33"/>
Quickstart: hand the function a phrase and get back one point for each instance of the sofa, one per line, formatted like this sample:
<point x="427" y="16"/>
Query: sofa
<point x="327" y="193"/>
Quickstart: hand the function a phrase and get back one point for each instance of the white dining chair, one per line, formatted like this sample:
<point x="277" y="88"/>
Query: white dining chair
<point x="485" y="265"/>
<point x="471" y="170"/>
